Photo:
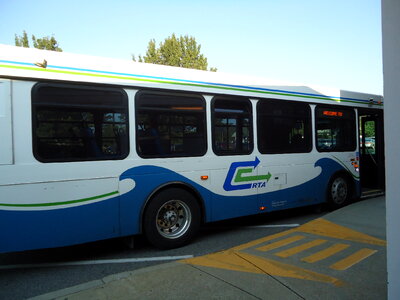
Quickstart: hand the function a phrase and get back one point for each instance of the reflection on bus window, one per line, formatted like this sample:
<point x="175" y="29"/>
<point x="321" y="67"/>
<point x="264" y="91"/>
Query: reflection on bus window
<point x="232" y="126"/>
<point x="76" y="124"/>
<point x="335" y="128"/>
<point x="169" y="125"/>
<point x="283" y="127"/>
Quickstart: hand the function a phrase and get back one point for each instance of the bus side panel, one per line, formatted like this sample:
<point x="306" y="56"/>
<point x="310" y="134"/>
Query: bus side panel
<point x="226" y="207"/>
<point x="311" y="192"/>
<point x="147" y="179"/>
<point x="227" y="200"/>
<point x="27" y="230"/>
<point x="6" y="155"/>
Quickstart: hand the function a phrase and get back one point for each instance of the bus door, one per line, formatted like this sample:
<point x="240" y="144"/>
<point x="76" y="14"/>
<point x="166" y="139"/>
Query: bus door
<point x="372" y="162"/>
<point x="6" y="156"/>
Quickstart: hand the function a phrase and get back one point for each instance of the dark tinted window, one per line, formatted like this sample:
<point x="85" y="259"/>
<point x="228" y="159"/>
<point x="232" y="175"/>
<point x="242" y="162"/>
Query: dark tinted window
<point x="77" y="123"/>
<point x="283" y="127"/>
<point x="336" y="129"/>
<point x="170" y="125"/>
<point x="232" y="126"/>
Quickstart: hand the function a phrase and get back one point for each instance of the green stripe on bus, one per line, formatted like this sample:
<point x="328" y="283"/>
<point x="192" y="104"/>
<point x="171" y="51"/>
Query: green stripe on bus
<point x="59" y="203"/>
<point x="240" y="178"/>
<point x="182" y="84"/>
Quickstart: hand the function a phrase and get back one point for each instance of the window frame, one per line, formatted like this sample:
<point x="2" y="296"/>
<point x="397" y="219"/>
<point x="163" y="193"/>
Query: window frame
<point x="213" y="120"/>
<point x="308" y="132"/>
<point x="166" y="94"/>
<point x="36" y="104"/>
<point x="354" y="129"/>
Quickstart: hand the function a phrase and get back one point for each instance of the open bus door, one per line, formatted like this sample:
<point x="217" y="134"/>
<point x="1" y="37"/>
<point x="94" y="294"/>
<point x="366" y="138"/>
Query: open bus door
<point x="372" y="158"/>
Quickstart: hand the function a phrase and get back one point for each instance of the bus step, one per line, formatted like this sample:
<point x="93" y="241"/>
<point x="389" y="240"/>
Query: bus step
<point x="372" y="193"/>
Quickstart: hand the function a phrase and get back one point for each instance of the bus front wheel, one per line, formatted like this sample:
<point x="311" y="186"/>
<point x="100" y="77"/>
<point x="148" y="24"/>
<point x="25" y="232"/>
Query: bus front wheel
<point x="338" y="192"/>
<point x="171" y="219"/>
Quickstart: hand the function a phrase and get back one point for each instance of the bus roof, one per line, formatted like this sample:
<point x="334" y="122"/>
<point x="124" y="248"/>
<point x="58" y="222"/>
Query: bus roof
<point x="19" y="62"/>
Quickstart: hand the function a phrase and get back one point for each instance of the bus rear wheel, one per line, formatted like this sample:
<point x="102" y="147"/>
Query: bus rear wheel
<point x="338" y="192"/>
<point x="171" y="219"/>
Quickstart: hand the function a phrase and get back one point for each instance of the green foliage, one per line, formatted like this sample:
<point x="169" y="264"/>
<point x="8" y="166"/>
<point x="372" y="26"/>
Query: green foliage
<point x="179" y="52"/>
<point x="22" y="41"/>
<point x="153" y="55"/>
<point x="46" y="43"/>
<point x="370" y="129"/>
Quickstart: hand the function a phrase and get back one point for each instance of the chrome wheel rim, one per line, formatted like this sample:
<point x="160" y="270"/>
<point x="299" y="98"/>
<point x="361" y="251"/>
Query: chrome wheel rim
<point x="173" y="219"/>
<point x="339" y="190"/>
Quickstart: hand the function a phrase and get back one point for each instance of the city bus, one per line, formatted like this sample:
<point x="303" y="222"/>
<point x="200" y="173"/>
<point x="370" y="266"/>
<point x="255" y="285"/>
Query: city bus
<point x="94" y="148"/>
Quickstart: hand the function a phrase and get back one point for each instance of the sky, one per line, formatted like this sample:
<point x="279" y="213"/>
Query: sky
<point x="334" y="43"/>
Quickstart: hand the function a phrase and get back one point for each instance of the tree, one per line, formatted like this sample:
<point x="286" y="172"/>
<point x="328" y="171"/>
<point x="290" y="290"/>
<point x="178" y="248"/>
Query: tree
<point x="22" y="41"/>
<point x="370" y="129"/>
<point x="180" y="52"/>
<point x="46" y="43"/>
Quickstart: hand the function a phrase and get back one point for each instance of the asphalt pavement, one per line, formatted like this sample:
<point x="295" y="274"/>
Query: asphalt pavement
<point x="339" y="256"/>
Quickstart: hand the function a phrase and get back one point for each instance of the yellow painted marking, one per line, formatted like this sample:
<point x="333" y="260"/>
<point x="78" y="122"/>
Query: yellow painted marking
<point x="263" y="240"/>
<point x="240" y="261"/>
<point x="227" y="260"/>
<point x="353" y="259"/>
<point x="235" y="259"/>
<point x="325" y="253"/>
<point x="320" y="227"/>
<point x="274" y="268"/>
<point x="332" y="230"/>
<point x="298" y="249"/>
<point x="281" y="243"/>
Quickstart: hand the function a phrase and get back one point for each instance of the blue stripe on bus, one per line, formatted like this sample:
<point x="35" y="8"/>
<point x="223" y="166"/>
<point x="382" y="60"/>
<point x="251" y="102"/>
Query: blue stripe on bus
<point x="16" y="62"/>
<point x="191" y="81"/>
<point x="206" y="83"/>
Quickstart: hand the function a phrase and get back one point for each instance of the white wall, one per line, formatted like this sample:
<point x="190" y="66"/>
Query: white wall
<point x="391" y="79"/>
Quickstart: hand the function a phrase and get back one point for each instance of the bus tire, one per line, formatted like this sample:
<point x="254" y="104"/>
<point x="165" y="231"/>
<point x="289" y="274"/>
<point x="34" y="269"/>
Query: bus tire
<point x="171" y="219"/>
<point x="338" y="192"/>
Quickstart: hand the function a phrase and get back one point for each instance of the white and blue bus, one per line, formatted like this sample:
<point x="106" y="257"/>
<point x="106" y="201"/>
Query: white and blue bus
<point x="95" y="148"/>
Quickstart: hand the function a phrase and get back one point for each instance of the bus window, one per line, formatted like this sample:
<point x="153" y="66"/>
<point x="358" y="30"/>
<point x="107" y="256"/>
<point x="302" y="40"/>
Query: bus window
<point x="335" y="129"/>
<point x="232" y="126"/>
<point x="170" y="125"/>
<point x="283" y="127"/>
<point x="79" y="123"/>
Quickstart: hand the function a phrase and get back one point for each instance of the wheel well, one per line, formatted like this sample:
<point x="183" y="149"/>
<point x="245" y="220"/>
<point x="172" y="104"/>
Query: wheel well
<point x="180" y="185"/>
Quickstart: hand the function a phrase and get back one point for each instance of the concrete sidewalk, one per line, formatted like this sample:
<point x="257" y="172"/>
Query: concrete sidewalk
<point x="340" y="256"/>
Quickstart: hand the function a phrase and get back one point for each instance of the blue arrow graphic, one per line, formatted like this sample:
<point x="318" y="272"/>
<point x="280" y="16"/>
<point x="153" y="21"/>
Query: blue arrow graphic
<point x="228" y="181"/>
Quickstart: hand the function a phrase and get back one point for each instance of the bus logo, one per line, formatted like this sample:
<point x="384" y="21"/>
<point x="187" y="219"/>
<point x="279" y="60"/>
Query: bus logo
<point x="240" y="176"/>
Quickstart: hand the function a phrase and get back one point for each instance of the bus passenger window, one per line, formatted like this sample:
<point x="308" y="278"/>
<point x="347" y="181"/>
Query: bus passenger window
<point x="170" y="125"/>
<point x="232" y="129"/>
<point x="283" y="127"/>
<point x="79" y="123"/>
<point x="335" y="129"/>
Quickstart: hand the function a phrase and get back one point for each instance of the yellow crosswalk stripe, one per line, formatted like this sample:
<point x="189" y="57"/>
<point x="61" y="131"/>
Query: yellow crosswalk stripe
<point x="305" y="237"/>
<point x="353" y="259"/>
<point x="298" y="249"/>
<point x="325" y="253"/>
<point x="281" y="243"/>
